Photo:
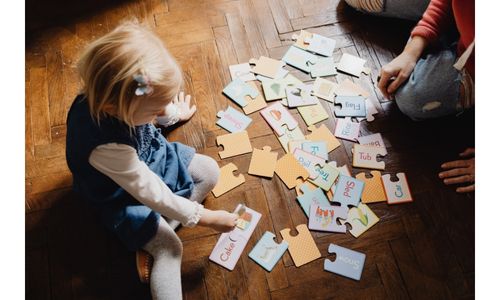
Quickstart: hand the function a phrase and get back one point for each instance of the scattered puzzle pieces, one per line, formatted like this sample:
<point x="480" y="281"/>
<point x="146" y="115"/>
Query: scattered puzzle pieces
<point x="397" y="191"/>
<point x="276" y="116"/>
<point x="267" y="67"/>
<point x="313" y="114"/>
<point x="227" y="180"/>
<point x="241" y="71"/>
<point x="347" y="130"/>
<point x="361" y="219"/>
<point x="366" y="157"/>
<point x="326" y="176"/>
<point x="324" y="218"/>
<point x="234" y="144"/>
<point x="352" y="65"/>
<point x="254" y="104"/>
<point x="274" y="89"/>
<point x="309" y="197"/>
<point x="299" y="58"/>
<point x="320" y="44"/>
<point x="318" y="148"/>
<point x="324" y="66"/>
<point x="290" y="135"/>
<point x="263" y="162"/>
<point x="349" y="88"/>
<point x="324" y="89"/>
<point x="350" y="106"/>
<point x="311" y="186"/>
<point x="323" y="134"/>
<point x="300" y="95"/>
<point x="374" y="140"/>
<point x="309" y="162"/>
<point x="347" y="262"/>
<point x="289" y="169"/>
<point x="374" y="189"/>
<point x="238" y="89"/>
<point x="348" y="191"/>
<point x="267" y="252"/>
<point x="232" y="120"/>
<point x="371" y="110"/>
<point x="302" y="247"/>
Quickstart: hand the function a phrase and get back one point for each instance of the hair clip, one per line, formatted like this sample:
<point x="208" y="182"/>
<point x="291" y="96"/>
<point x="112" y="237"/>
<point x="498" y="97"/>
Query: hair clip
<point x="143" y="85"/>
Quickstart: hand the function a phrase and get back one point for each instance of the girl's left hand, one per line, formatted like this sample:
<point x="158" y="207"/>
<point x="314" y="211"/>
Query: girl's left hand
<point x="183" y="105"/>
<point x="461" y="171"/>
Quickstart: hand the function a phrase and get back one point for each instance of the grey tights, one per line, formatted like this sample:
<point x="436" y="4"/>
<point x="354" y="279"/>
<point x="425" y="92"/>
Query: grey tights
<point x="165" y="246"/>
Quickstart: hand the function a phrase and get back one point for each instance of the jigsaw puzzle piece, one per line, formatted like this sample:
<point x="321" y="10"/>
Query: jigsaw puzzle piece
<point x="344" y="170"/>
<point x="309" y="162"/>
<point x="227" y="181"/>
<point x="256" y="103"/>
<point x="374" y="140"/>
<point x="371" y="110"/>
<point x="325" y="89"/>
<point x="289" y="169"/>
<point x="320" y="44"/>
<point x="361" y="219"/>
<point x="263" y="162"/>
<point x="397" y="191"/>
<point x="232" y="120"/>
<point x="296" y="144"/>
<point x="374" y="189"/>
<point x="350" y="106"/>
<point x="366" y="157"/>
<point x="302" y="247"/>
<point x="267" y="252"/>
<point x="317" y="148"/>
<point x="309" y="197"/>
<point x="326" y="176"/>
<point x="348" y="191"/>
<point x="352" y="65"/>
<point x="299" y="58"/>
<point x="290" y="135"/>
<point x="300" y="182"/>
<point x="313" y="114"/>
<point x="267" y="67"/>
<point x="322" y="133"/>
<point x="241" y="71"/>
<point x="348" y="263"/>
<point x="274" y="89"/>
<point x="234" y="144"/>
<point x="324" y="218"/>
<point x="347" y="130"/>
<point x="324" y="66"/>
<point x="300" y="95"/>
<point x="237" y="90"/>
<point x="349" y="88"/>
<point x="276" y="115"/>
<point x="300" y="40"/>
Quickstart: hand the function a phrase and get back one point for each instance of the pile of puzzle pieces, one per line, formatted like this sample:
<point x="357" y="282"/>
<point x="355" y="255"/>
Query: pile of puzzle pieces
<point x="328" y="194"/>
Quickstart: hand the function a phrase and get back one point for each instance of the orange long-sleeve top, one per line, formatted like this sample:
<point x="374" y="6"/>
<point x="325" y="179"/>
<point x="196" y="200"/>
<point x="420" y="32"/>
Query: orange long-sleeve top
<point x="440" y="15"/>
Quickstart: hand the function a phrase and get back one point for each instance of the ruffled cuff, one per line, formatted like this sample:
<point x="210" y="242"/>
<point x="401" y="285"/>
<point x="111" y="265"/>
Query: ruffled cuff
<point x="195" y="217"/>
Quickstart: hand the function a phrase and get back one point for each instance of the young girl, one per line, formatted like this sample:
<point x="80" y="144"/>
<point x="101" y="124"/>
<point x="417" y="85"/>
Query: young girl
<point x="123" y="165"/>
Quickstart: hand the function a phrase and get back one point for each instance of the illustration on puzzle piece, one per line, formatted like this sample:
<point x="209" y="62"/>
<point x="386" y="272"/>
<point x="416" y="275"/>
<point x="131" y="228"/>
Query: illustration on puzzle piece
<point x="241" y="71"/>
<point x="348" y="191"/>
<point x="302" y="247"/>
<point x="232" y="120"/>
<point x="348" y="263"/>
<point x="267" y="67"/>
<point x="397" y="191"/>
<point x="309" y="162"/>
<point x="322" y="133"/>
<point x="350" y="106"/>
<point x="276" y="116"/>
<point x="300" y="40"/>
<point x="361" y="219"/>
<point x="267" y="252"/>
<point x="299" y="58"/>
<point x="237" y="90"/>
<point x="374" y="189"/>
<point x="300" y="95"/>
<point x="366" y="157"/>
<point x="263" y="162"/>
<point x="234" y="144"/>
<point x="227" y="181"/>
<point x="324" y="66"/>
<point x="313" y="114"/>
<point x="320" y="44"/>
<point x="347" y="130"/>
<point x="289" y="169"/>
<point x="274" y="89"/>
<point x="324" y="218"/>
<point x="352" y="65"/>
<point x="309" y="197"/>
<point x="324" y="89"/>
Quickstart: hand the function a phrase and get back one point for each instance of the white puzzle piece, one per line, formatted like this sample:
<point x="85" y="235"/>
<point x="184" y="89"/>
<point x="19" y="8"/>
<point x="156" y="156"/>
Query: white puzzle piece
<point x="241" y="71"/>
<point x="351" y="64"/>
<point x="323" y="67"/>
<point x="233" y="120"/>
<point x="361" y="219"/>
<point x="276" y="116"/>
<point x="289" y="135"/>
<point x="267" y="252"/>
<point x="348" y="191"/>
<point x="364" y="156"/>
<point x="347" y="130"/>
<point x="317" y="148"/>
<point x="347" y="262"/>
<point x="320" y="44"/>
<point x="300" y="95"/>
<point x="324" y="218"/>
<point x="324" y="89"/>
<point x="350" y="106"/>
<point x="299" y="58"/>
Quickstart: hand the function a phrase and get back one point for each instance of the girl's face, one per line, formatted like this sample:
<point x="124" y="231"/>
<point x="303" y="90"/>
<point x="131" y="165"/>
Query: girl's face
<point x="148" y="108"/>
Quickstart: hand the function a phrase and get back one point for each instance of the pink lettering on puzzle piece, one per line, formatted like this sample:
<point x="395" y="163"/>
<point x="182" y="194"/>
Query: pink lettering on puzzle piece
<point x="348" y="188"/>
<point x="224" y="256"/>
<point x="236" y="122"/>
<point x="365" y="156"/>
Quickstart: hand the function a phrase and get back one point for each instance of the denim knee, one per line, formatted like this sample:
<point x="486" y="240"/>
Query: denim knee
<point x="406" y="99"/>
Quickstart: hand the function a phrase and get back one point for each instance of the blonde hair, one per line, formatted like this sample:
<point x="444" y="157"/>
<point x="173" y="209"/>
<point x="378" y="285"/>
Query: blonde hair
<point x="108" y="65"/>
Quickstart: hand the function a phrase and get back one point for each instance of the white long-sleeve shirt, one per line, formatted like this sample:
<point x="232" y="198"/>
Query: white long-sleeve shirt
<point x="121" y="163"/>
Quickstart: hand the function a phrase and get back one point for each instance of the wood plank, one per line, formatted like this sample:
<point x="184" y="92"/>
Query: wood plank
<point x="51" y="182"/>
<point x="226" y="50"/>
<point x="239" y="37"/>
<point x="256" y="37"/>
<point x="186" y="38"/>
<point x="280" y="16"/>
<point x="267" y="28"/>
<point x="40" y="106"/>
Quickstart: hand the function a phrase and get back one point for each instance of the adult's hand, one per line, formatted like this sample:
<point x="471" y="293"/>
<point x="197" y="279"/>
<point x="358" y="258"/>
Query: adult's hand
<point x="461" y="171"/>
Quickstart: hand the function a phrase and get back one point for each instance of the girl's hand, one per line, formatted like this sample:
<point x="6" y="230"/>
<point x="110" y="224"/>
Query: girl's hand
<point x="395" y="73"/>
<point x="183" y="105"/>
<point x="461" y="171"/>
<point x="219" y="220"/>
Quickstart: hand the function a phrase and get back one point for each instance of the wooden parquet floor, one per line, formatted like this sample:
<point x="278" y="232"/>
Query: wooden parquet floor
<point x="421" y="250"/>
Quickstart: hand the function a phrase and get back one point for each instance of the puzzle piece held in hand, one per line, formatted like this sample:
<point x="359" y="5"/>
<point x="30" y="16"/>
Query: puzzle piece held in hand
<point x="348" y="191"/>
<point x="241" y="71"/>
<point x="374" y="189"/>
<point x="309" y="162"/>
<point x="347" y="262"/>
<point x="227" y="181"/>
<point x="237" y="90"/>
<point x="364" y="156"/>
<point x="267" y="252"/>
<point x="232" y="120"/>
<point x="397" y="191"/>
<point x="322" y="133"/>
<point x="263" y="162"/>
<point x="361" y="219"/>
<point x="350" y="106"/>
<point x="313" y="114"/>
<point x="234" y="144"/>
<point x="324" y="66"/>
<point x="302" y="247"/>
<point x="352" y="65"/>
<point x="267" y="67"/>
<point x="324" y="89"/>
<point x="347" y="130"/>
<point x="324" y="218"/>
<point x="276" y="116"/>
<point x="299" y="58"/>
<point x="256" y="103"/>
<point x="289" y="169"/>
<point x="309" y="197"/>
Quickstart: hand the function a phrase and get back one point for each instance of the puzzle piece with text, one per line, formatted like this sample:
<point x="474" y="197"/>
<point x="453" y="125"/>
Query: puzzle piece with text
<point x="318" y="148"/>
<point x="302" y="247"/>
<point x="263" y="162"/>
<point x="374" y="140"/>
<point x="347" y="130"/>
<point x="344" y="170"/>
<point x="322" y="133"/>
<point x="289" y="169"/>
<point x="364" y="156"/>
<point x="374" y="189"/>
<point x="326" y="176"/>
<point x="267" y="67"/>
<point x="238" y="89"/>
<point x="267" y="252"/>
<point x="309" y="197"/>
<point x="227" y="181"/>
<point x="234" y="144"/>
<point x="361" y="219"/>
<point x="232" y="120"/>
<point x="348" y="263"/>
<point x="350" y="106"/>
<point x="348" y="191"/>
<point x="311" y="186"/>
<point x="309" y="162"/>
<point x="324" y="218"/>
<point x="276" y="115"/>
<point x="397" y="191"/>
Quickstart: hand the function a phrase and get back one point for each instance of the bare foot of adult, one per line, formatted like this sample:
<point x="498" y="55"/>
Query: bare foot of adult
<point x="461" y="171"/>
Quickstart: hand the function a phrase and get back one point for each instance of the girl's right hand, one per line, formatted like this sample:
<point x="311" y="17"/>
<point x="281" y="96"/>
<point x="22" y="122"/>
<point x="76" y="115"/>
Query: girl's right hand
<point x="219" y="220"/>
<point x="395" y="73"/>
